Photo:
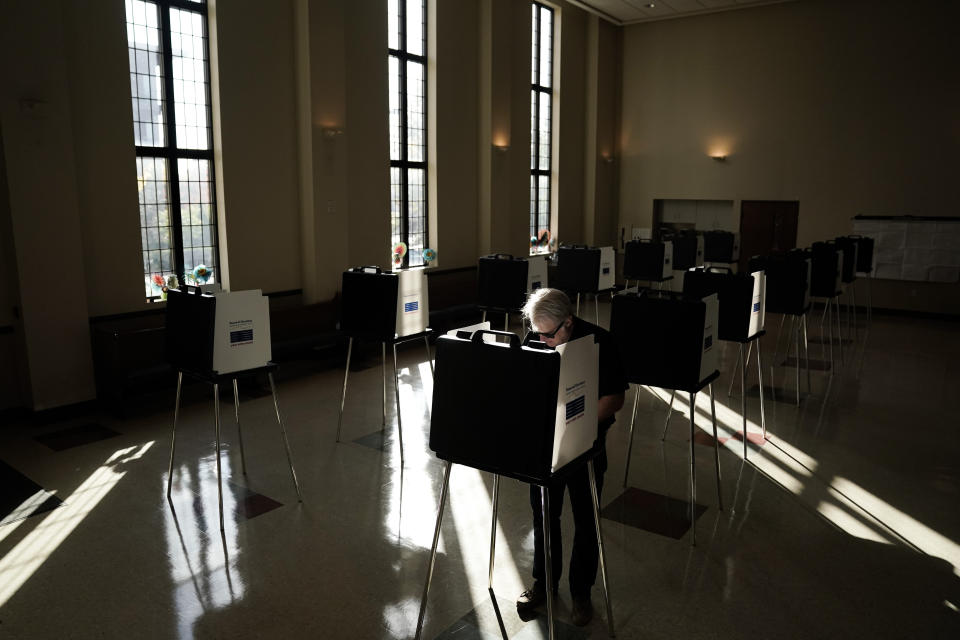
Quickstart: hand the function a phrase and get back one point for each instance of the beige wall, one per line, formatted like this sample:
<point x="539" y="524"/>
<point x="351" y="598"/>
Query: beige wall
<point x="848" y="107"/>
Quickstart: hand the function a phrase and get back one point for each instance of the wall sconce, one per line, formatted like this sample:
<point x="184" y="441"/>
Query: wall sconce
<point x="607" y="157"/>
<point x="502" y="148"/>
<point x="331" y="132"/>
<point x="719" y="158"/>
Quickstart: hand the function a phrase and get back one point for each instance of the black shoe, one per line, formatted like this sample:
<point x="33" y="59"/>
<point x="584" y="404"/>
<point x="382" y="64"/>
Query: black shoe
<point x="531" y="598"/>
<point x="582" y="611"/>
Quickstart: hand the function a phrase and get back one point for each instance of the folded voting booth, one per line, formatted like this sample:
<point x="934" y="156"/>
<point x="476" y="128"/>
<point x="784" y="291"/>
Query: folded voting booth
<point x="827" y="270"/>
<point x="524" y="411"/>
<point x="502" y="282"/>
<point x="388" y="308"/>
<point x="721" y="246"/>
<point x="215" y="338"/>
<point x="665" y="338"/>
<point x="687" y="249"/>
<point x="648" y="260"/>
<point x="669" y="340"/>
<point x="740" y="297"/>
<point x="214" y="334"/>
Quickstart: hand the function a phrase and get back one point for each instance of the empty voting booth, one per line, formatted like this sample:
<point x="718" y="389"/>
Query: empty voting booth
<point x="519" y="410"/>
<point x="504" y="282"/>
<point x="721" y="247"/>
<point x="848" y="276"/>
<point x="385" y="307"/>
<point x="587" y="270"/>
<point x="669" y="340"/>
<point x="826" y="260"/>
<point x="216" y="338"/>
<point x="789" y="279"/>
<point x="649" y="261"/>
<point x="865" y="266"/>
<point x="741" y="302"/>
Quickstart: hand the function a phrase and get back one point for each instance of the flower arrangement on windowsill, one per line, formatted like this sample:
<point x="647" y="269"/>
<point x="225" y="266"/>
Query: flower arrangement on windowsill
<point x="161" y="284"/>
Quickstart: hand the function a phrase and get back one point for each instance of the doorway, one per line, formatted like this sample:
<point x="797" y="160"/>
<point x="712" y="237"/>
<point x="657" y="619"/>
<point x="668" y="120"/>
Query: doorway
<point x="767" y="226"/>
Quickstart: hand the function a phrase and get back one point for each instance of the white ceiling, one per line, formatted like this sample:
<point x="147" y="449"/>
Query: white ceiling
<point x="625" y="12"/>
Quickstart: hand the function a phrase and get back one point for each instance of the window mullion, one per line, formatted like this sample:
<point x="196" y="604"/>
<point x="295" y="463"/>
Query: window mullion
<point x="173" y="168"/>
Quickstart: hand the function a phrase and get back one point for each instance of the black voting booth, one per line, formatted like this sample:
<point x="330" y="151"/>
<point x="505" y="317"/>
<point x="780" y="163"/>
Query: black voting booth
<point x="205" y="338"/>
<point x="370" y="302"/>
<point x="826" y="282"/>
<point x="687" y="249"/>
<point x="495" y="408"/>
<point x="851" y="259"/>
<point x="789" y="279"/>
<point x="865" y="266"/>
<point x="741" y="302"/>
<point x="501" y="284"/>
<point x="720" y="246"/>
<point x="648" y="260"/>
<point x="668" y="340"/>
<point x="579" y="270"/>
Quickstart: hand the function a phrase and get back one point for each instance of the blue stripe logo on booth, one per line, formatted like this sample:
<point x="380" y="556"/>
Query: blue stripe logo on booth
<point x="245" y="335"/>
<point x="576" y="407"/>
<point x="707" y="342"/>
<point x="410" y="307"/>
<point x="756" y="307"/>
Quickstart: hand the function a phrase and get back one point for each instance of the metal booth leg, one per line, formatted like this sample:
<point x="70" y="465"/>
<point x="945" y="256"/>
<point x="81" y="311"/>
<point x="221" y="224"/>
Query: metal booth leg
<point x="173" y="437"/>
<point x="493" y="528"/>
<point x="693" y="474"/>
<point x="236" y="415"/>
<point x="743" y="403"/>
<point x="839" y="333"/>
<point x="733" y="376"/>
<point x="603" y="555"/>
<point x="426" y="341"/>
<point x="483" y="318"/>
<point x="806" y="351"/>
<point x="596" y="307"/>
<point x="548" y="557"/>
<point x="830" y="327"/>
<point x="578" y="304"/>
<point x="823" y="345"/>
<point x="853" y="294"/>
<point x="666" y="423"/>
<point x="716" y="445"/>
<point x="763" y="414"/>
<point x="506" y="321"/>
<point x="343" y="396"/>
<point x="433" y="550"/>
<point x="626" y="465"/>
<point x="383" y="376"/>
<point x="869" y="300"/>
<point x="396" y="386"/>
<point x="283" y="432"/>
<point x="796" y="327"/>
<point x="216" y="421"/>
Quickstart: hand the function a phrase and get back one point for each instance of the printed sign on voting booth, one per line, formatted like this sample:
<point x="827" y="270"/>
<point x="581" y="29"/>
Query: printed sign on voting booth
<point x="606" y="279"/>
<point x="523" y="411"/>
<point x="536" y="273"/>
<point x="217" y="333"/>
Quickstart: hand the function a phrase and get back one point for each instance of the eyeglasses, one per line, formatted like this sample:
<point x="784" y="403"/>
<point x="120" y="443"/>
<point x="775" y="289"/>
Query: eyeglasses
<point x="553" y="333"/>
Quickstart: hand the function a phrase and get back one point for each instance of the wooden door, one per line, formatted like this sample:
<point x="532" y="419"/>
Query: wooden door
<point x="767" y="226"/>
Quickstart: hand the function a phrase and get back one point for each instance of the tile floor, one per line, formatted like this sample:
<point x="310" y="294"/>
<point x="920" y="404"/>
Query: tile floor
<point x="846" y="523"/>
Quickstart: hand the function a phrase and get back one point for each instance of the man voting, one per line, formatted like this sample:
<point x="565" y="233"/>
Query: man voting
<point x="551" y="316"/>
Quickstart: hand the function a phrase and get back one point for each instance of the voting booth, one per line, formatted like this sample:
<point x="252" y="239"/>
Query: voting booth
<point x="215" y="334"/>
<point x="848" y="270"/>
<point x="721" y="246"/>
<point x="669" y="340"/>
<point x="788" y="276"/>
<point x="864" y="253"/>
<point x="648" y="260"/>
<point x="378" y="305"/>
<point x="827" y="270"/>
<point x="520" y="410"/>
<point x="216" y="337"/>
<point x="687" y="249"/>
<point x="578" y="269"/>
<point x="385" y="307"/>
<point x="502" y="282"/>
<point x="740" y="297"/>
<point x="536" y="273"/>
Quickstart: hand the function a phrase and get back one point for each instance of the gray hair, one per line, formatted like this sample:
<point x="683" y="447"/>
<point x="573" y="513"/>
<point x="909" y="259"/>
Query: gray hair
<point x="547" y="304"/>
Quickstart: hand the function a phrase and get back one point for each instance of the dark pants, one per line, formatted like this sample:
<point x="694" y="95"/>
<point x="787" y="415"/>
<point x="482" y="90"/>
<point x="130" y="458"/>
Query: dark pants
<point x="585" y="554"/>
